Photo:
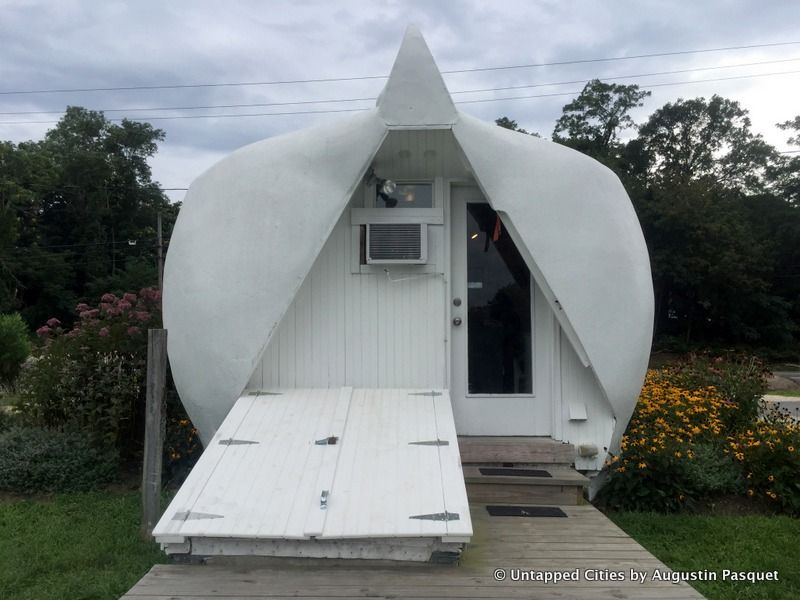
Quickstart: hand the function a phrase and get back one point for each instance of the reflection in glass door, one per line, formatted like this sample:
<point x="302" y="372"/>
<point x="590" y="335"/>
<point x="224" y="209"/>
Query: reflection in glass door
<point x="499" y="357"/>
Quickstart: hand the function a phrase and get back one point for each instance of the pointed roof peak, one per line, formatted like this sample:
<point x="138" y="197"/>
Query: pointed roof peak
<point x="415" y="94"/>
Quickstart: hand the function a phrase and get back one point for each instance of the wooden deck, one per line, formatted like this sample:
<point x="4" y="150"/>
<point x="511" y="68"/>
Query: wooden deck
<point x="586" y="540"/>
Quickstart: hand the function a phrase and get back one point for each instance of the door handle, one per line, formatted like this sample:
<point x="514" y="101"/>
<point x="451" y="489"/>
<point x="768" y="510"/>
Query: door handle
<point x="457" y="321"/>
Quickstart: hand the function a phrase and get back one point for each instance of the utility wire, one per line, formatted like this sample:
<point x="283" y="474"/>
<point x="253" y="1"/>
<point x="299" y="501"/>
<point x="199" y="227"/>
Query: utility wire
<point x="644" y="87"/>
<point x="344" y="110"/>
<point x="86" y="245"/>
<point x="373" y="98"/>
<point x="142" y="187"/>
<point x="368" y="77"/>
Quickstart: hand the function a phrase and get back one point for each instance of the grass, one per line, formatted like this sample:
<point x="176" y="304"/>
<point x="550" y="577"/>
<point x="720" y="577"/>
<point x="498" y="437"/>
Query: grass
<point x="739" y="543"/>
<point x="72" y="546"/>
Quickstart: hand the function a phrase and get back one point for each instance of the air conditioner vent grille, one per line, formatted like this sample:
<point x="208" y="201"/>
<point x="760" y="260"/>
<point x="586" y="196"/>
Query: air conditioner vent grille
<point x="397" y="242"/>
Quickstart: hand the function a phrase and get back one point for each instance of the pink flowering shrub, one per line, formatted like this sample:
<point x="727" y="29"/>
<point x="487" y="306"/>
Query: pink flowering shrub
<point x="92" y="377"/>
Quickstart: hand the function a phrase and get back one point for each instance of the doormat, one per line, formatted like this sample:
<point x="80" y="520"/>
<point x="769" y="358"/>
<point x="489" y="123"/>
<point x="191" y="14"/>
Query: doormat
<point x="525" y="511"/>
<point x="513" y="472"/>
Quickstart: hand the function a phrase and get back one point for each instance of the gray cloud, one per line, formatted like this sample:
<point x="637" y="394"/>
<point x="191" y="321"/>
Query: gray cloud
<point x="77" y="44"/>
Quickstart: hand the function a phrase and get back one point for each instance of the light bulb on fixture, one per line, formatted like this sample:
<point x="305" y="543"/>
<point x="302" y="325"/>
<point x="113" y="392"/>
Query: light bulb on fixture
<point x="388" y="186"/>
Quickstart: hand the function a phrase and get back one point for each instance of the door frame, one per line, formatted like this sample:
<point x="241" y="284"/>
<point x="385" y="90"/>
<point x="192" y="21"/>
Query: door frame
<point x="481" y="414"/>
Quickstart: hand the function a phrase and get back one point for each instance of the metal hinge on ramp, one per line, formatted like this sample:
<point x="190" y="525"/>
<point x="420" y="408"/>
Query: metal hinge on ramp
<point x="328" y="441"/>
<point x="436" y="442"/>
<point x="442" y="516"/>
<point x="233" y="442"/>
<point x="433" y="393"/>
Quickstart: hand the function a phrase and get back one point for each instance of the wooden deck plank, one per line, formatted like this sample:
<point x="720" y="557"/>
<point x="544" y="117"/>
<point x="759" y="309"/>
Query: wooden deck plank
<point x="468" y="593"/>
<point x="586" y="539"/>
<point x="524" y="450"/>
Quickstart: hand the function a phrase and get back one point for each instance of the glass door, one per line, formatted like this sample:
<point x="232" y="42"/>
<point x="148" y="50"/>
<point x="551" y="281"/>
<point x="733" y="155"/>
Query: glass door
<point x="492" y="339"/>
<point x="498" y="307"/>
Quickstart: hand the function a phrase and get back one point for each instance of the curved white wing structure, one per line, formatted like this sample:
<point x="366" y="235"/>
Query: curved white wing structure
<point x="583" y="244"/>
<point x="252" y="226"/>
<point x="247" y="235"/>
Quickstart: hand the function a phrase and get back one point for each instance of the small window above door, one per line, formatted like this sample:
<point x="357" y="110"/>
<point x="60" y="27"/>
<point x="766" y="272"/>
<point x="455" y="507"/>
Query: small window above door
<point x="405" y="195"/>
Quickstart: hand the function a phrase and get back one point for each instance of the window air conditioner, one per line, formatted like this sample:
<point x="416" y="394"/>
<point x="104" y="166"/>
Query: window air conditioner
<point x="397" y="243"/>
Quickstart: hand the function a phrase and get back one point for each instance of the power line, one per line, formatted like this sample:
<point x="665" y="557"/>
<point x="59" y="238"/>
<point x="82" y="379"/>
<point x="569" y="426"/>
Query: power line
<point x="615" y="58"/>
<point x="373" y="98"/>
<point x="254" y="105"/>
<point x="644" y="87"/>
<point x="86" y="245"/>
<point x="481" y="100"/>
<point x="62" y="186"/>
<point x="223" y="116"/>
<point x="631" y="76"/>
<point x="368" y="77"/>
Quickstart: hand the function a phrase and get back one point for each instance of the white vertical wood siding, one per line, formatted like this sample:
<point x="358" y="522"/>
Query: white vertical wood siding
<point x="364" y="330"/>
<point x="359" y="330"/>
<point x="579" y="388"/>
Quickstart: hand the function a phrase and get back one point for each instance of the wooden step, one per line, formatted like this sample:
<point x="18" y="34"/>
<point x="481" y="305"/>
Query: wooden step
<point x="519" y="476"/>
<point x="515" y="450"/>
<point x="551" y="486"/>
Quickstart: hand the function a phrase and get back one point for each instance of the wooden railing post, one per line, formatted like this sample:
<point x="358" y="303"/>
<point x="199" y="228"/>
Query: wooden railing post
<point x="155" y="425"/>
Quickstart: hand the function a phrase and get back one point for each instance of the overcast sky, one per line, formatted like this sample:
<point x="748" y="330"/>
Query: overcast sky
<point x="65" y="44"/>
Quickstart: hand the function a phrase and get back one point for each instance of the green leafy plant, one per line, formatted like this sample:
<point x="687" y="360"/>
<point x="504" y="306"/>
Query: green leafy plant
<point x="714" y="472"/>
<point x="739" y="379"/>
<point x="769" y="454"/>
<point x="92" y="378"/>
<point x="14" y="346"/>
<point x="37" y="460"/>
<point x="699" y="431"/>
<point x="670" y="425"/>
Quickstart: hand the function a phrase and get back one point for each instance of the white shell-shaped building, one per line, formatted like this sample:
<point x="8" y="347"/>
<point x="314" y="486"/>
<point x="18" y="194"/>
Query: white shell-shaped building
<point x="414" y="247"/>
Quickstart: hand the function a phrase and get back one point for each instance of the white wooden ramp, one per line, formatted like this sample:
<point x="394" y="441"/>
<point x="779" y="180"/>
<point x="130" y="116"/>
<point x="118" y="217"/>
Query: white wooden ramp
<point x="339" y="473"/>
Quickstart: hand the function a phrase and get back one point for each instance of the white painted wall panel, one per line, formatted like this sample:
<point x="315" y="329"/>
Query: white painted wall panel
<point x="580" y="386"/>
<point x="370" y="329"/>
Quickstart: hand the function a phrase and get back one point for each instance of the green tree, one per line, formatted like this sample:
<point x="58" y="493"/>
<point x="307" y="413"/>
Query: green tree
<point x="709" y="224"/>
<point x="593" y="121"/>
<point x="698" y="138"/>
<point x="711" y="272"/>
<point x="511" y="124"/>
<point x="784" y="173"/>
<point x="84" y="211"/>
<point x="14" y="347"/>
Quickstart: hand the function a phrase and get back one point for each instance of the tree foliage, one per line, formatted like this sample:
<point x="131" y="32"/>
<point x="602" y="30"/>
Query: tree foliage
<point x="14" y="346"/>
<point x="79" y="210"/>
<point x="695" y="139"/>
<point x="511" y="124"/>
<point x="592" y="123"/>
<point x="718" y="207"/>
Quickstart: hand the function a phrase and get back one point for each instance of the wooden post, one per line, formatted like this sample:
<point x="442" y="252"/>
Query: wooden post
<point x="160" y="255"/>
<point x="155" y="425"/>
